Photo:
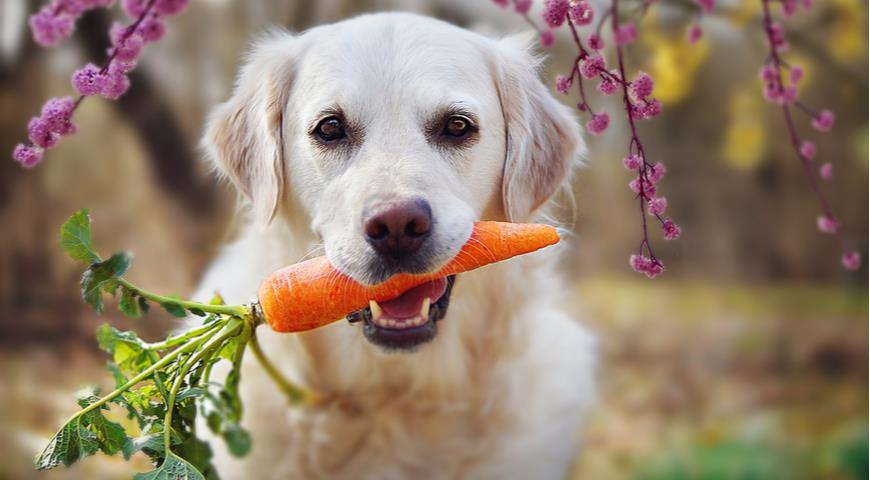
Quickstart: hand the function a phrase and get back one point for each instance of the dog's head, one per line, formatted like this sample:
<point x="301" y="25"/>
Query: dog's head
<point x="394" y="133"/>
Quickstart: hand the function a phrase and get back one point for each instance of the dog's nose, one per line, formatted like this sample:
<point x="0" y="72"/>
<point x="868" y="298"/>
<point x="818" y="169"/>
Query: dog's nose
<point x="399" y="229"/>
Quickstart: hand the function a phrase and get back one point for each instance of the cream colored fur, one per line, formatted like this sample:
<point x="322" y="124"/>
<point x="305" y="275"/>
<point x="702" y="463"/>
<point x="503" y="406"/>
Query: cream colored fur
<point x="500" y="392"/>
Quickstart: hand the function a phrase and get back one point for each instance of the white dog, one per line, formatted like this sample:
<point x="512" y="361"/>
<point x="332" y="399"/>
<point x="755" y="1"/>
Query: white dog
<point x="382" y="139"/>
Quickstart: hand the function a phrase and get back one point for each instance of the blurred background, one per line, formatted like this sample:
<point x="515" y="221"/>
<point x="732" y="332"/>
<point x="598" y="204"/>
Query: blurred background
<point x="747" y="359"/>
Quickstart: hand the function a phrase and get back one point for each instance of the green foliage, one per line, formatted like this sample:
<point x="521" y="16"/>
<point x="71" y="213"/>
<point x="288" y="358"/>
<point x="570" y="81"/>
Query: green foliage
<point x="173" y="468"/>
<point x="75" y="238"/>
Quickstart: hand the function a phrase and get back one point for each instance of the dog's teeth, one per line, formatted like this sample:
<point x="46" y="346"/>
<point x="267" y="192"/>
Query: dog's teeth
<point x="424" y="309"/>
<point x="418" y="321"/>
<point x="391" y="323"/>
<point x="377" y="313"/>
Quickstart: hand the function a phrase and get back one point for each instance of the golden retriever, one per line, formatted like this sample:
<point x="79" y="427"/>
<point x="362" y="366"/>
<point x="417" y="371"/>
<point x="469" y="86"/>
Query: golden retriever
<point x="380" y="140"/>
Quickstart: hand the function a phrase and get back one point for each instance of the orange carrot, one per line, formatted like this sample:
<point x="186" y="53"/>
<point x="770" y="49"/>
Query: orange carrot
<point x="313" y="293"/>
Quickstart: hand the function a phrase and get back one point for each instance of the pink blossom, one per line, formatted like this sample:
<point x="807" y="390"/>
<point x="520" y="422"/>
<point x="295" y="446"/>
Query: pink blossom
<point x="591" y="66"/>
<point x="649" y="109"/>
<point x="649" y="190"/>
<point x="657" y="206"/>
<point x="824" y="121"/>
<point x="129" y="50"/>
<point x="795" y="74"/>
<point x="26" y="155"/>
<point x="851" y="260"/>
<point x="555" y="12"/>
<point x="826" y="171"/>
<point x="580" y="13"/>
<point x="89" y="80"/>
<point x="789" y="95"/>
<point x="695" y="34"/>
<point x="632" y="162"/>
<point x="642" y="86"/>
<point x="649" y="267"/>
<point x="671" y="230"/>
<point x="151" y="29"/>
<point x="547" y="38"/>
<point x="171" y="7"/>
<point x="563" y="84"/>
<point x="827" y="224"/>
<point x="656" y="172"/>
<point x="116" y="86"/>
<point x="595" y="41"/>
<point x="57" y="113"/>
<point x="49" y="27"/>
<point x="607" y="86"/>
<point x="625" y="34"/>
<point x="523" y="6"/>
<point x="598" y="123"/>
<point x="771" y="93"/>
<point x="768" y="73"/>
<point x="808" y="150"/>
<point x="706" y="5"/>
<point x="40" y="134"/>
<point x="134" y="8"/>
<point x="789" y="7"/>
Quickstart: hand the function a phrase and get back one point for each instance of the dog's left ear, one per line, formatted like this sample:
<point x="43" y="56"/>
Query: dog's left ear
<point x="244" y="135"/>
<point x="543" y="138"/>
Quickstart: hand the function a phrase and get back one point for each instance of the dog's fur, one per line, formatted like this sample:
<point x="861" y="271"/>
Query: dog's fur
<point x="500" y="391"/>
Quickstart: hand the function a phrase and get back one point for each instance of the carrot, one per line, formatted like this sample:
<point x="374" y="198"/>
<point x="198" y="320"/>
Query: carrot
<point x="313" y="293"/>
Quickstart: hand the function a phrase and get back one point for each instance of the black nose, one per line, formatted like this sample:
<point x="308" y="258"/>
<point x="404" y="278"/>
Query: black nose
<point x="399" y="229"/>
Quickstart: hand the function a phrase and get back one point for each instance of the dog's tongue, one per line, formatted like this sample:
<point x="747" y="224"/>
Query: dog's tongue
<point x="408" y="304"/>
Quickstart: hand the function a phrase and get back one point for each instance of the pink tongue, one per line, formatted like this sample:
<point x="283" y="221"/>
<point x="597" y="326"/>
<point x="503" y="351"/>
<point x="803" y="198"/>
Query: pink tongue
<point x="408" y="304"/>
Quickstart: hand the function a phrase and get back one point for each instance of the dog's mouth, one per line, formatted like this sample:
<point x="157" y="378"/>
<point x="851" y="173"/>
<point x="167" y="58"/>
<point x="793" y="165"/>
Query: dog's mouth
<point x="409" y="320"/>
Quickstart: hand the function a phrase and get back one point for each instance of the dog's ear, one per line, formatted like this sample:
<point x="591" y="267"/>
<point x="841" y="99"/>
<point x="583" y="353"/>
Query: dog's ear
<point x="244" y="135"/>
<point x="543" y="139"/>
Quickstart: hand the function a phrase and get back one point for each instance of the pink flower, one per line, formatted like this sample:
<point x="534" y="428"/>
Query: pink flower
<point x="657" y="206"/>
<point x="547" y="38"/>
<point x="555" y="12"/>
<point x="796" y="74"/>
<point x="706" y="5"/>
<point x="625" y="34"/>
<point x="695" y="34"/>
<point x="789" y="7"/>
<point x="768" y="73"/>
<point x="671" y="230"/>
<point x="116" y="86"/>
<point x="826" y="171"/>
<point x="642" y="86"/>
<point x="649" y="190"/>
<point x="632" y="162"/>
<point x="656" y="172"/>
<point x="595" y="41"/>
<point x="808" y="150"/>
<point x="607" y="86"/>
<point x="771" y="93"/>
<point x="789" y="95"/>
<point x="129" y="50"/>
<point x="649" y="267"/>
<point x="40" y="134"/>
<point x="151" y="29"/>
<point x="580" y="13"/>
<point x="851" y="260"/>
<point x="827" y="224"/>
<point x="824" y="121"/>
<point x="598" y="123"/>
<point x="26" y="155"/>
<point x="523" y="6"/>
<point x="563" y="84"/>
<point x="591" y="66"/>
<point x="57" y="113"/>
<point x="649" y="109"/>
<point x="49" y="27"/>
<point x="89" y="81"/>
<point x="134" y="8"/>
<point x="171" y="7"/>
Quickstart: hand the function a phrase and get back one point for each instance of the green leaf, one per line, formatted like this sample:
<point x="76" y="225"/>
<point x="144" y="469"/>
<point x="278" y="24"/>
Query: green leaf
<point x="110" y="435"/>
<point x="197" y="312"/>
<point x="173" y="468"/>
<point x="75" y="238"/>
<point x="129" y="304"/>
<point x="150" y="443"/>
<point x="238" y="439"/>
<point x="174" y="309"/>
<point x="128" y="351"/>
<point x="101" y="277"/>
<point x="72" y="442"/>
<point x="198" y="453"/>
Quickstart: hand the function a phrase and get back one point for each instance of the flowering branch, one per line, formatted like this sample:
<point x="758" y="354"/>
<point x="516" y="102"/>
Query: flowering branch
<point x="590" y="65"/>
<point x="55" y="22"/>
<point x="776" y="91"/>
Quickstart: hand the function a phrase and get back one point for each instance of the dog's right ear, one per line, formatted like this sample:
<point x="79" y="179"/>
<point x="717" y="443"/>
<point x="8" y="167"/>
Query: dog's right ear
<point x="244" y="135"/>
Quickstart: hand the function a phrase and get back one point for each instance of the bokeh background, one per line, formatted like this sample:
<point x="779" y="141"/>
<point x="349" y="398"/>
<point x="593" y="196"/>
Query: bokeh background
<point x="748" y="359"/>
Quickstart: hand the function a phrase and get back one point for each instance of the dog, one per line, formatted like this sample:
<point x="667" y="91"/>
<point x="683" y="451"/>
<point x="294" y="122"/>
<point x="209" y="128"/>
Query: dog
<point x="378" y="141"/>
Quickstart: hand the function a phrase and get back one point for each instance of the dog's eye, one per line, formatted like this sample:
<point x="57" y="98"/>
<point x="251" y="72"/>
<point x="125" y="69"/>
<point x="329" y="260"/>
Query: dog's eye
<point x="457" y="126"/>
<point x="330" y="129"/>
